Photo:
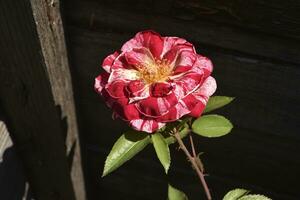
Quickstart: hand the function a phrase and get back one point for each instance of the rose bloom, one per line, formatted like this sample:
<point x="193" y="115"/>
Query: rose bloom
<point x="154" y="80"/>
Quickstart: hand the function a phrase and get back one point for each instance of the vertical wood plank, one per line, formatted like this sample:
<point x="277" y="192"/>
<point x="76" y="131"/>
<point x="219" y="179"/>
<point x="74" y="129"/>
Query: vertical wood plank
<point x="51" y="35"/>
<point x="29" y="109"/>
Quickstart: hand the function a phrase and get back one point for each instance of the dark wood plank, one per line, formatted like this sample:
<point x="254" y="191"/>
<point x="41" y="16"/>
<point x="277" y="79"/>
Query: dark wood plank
<point x="104" y="18"/>
<point x="51" y="35"/>
<point x="29" y="110"/>
<point x="261" y="70"/>
<point x="272" y="17"/>
<point x="263" y="89"/>
<point x="144" y="174"/>
<point x="263" y="143"/>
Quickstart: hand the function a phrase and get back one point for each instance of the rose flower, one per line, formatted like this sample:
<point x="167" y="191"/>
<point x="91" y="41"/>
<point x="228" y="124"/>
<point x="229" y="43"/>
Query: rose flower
<point x="154" y="80"/>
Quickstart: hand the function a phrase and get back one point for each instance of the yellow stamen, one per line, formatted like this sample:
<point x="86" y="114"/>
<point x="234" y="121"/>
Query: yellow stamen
<point x="154" y="71"/>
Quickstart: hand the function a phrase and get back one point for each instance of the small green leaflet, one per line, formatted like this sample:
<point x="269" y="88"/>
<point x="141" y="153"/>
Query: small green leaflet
<point x="127" y="146"/>
<point x="216" y="102"/>
<point x="254" y="197"/>
<point x="175" y="194"/>
<point x="212" y="126"/>
<point x="235" y="194"/>
<point x="162" y="150"/>
<point x="242" y="194"/>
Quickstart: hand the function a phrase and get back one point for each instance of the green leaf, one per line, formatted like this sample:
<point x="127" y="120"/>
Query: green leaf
<point x="254" y="197"/>
<point x="182" y="132"/>
<point x="175" y="194"/>
<point x="235" y="194"/>
<point x="162" y="150"/>
<point x="212" y="126"/>
<point x="242" y="194"/>
<point x="216" y="102"/>
<point x="127" y="146"/>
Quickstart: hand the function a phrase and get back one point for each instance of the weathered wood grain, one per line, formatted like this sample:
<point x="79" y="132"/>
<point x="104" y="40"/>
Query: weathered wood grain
<point x="5" y="141"/>
<point x="271" y="17"/>
<point x="13" y="184"/>
<point x="97" y="16"/>
<point x="29" y="110"/>
<point x="51" y="34"/>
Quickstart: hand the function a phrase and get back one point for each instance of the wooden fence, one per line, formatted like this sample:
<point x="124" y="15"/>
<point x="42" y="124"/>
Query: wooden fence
<point x="255" y="48"/>
<point x="37" y="99"/>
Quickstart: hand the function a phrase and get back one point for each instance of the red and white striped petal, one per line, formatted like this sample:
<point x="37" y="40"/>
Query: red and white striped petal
<point x="179" y="90"/>
<point x="146" y="125"/>
<point x="186" y="58"/>
<point x="201" y="96"/>
<point x="155" y="107"/>
<point x="116" y="89"/>
<point x="148" y="39"/>
<point x="100" y="82"/>
<point x="174" y="113"/>
<point x="143" y="94"/>
<point x="120" y="63"/>
<point x="173" y="46"/>
<point x="123" y="74"/>
<point x="189" y="82"/>
<point x="134" y="87"/>
<point x="154" y="42"/>
<point x="146" y="103"/>
<point x="108" y="61"/>
<point x="171" y="42"/>
<point x="184" y="62"/>
<point x="172" y="55"/>
<point x="135" y="42"/>
<point x="126" y="112"/>
<point x="190" y="101"/>
<point x="137" y="90"/>
<point x="139" y="57"/>
<point x="204" y="65"/>
<point x="208" y="87"/>
<point x="161" y="89"/>
<point x="197" y="110"/>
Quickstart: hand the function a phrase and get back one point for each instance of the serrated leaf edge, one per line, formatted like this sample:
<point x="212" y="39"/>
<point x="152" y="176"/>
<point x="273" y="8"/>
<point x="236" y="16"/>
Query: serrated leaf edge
<point x="106" y="172"/>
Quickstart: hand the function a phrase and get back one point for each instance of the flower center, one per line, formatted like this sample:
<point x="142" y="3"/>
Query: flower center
<point x="154" y="71"/>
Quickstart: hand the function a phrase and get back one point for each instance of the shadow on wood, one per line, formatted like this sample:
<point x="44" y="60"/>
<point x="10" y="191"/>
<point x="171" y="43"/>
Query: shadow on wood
<point x="255" y="62"/>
